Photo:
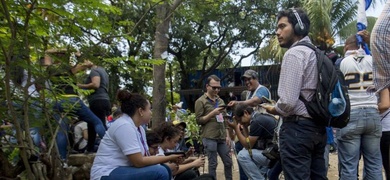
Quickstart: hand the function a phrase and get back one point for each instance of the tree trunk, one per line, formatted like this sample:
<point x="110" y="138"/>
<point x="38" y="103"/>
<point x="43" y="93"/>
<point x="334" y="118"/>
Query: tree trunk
<point x="163" y="12"/>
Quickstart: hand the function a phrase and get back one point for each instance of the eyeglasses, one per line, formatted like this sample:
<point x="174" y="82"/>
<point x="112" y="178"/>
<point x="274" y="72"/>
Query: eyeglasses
<point x="215" y="87"/>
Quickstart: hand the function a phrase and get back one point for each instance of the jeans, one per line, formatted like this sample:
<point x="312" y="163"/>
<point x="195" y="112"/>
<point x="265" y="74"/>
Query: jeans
<point x="101" y="108"/>
<point x="214" y="146"/>
<point x="302" y="146"/>
<point x="255" y="167"/>
<point x="153" y="172"/>
<point x="239" y="147"/>
<point x="79" y="109"/>
<point x="362" y="134"/>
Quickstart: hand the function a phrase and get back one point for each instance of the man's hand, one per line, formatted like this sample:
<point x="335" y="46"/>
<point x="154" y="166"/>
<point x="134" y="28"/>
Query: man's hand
<point x="228" y="141"/>
<point x="233" y="124"/>
<point x="269" y="108"/>
<point x="232" y="103"/>
<point x="365" y="35"/>
<point x="217" y="111"/>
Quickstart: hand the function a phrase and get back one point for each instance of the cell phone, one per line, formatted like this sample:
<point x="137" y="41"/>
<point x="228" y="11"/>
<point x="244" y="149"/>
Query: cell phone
<point x="222" y="106"/>
<point x="177" y="152"/>
<point x="266" y="100"/>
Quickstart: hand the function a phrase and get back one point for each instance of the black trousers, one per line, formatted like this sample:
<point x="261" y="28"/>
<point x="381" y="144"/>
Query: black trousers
<point x="385" y="150"/>
<point x="302" y="148"/>
<point x="101" y="108"/>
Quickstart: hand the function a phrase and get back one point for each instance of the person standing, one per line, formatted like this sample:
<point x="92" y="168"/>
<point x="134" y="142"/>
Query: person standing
<point x="302" y="141"/>
<point x="380" y="47"/>
<point x="363" y="133"/>
<point x="67" y="101"/>
<point x="99" y="100"/>
<point x="384" y="109"/>
<point x="214" y="132"/>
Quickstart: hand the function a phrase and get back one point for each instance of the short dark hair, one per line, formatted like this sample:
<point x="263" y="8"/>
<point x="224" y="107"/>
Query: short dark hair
<point x="352" y="42"/>
<point x="152" y="138"/>
<point x="167" y="130"/>
<point x="241" y="108"/>
<point x="214" y="77"/>
<point x="293" y="20"/>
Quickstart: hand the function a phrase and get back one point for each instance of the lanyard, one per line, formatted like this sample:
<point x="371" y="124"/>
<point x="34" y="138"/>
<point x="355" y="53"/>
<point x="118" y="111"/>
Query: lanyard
<point x="143" y="143"/>
<point x="216" y="102"/>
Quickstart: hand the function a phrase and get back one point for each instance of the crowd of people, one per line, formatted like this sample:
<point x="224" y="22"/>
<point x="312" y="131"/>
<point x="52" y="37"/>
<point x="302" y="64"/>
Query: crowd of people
<point x="269" y="137"/>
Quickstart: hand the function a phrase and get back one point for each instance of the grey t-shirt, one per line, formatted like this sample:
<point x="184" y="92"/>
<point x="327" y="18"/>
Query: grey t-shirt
<point x="102" y="91"/>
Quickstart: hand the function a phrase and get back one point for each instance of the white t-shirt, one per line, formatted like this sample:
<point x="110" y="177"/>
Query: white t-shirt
<point x="78" y="134"/>
<point x="357" y="71"/>
<point x="122" y="138"/>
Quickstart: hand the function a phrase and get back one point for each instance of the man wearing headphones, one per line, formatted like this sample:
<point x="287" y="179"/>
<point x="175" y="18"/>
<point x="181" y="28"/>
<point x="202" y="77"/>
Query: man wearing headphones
<point x="302" y="142"/>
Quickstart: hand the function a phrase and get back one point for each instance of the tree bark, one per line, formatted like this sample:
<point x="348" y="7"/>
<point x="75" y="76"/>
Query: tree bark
<point x="164" y="12"/>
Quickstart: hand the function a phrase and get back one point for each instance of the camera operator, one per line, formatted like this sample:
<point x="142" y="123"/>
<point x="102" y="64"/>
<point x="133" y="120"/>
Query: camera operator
<point x="254" y="139"/>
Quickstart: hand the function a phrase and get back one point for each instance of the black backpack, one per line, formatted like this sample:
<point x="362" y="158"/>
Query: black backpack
<point x="330" y="82"/>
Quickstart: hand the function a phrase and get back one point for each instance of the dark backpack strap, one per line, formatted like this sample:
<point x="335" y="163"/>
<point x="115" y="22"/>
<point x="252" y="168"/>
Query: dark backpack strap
<point x="319" y="61"/>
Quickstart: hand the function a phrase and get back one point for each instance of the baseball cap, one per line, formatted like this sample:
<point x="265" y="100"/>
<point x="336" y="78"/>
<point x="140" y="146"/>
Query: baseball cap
<point x="177" y="122"/>
<point x="249" y="74"/>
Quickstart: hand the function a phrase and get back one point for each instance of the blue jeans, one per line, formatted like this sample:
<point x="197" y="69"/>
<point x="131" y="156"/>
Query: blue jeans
<point x="302" y="146"/>
<point x="362" y="134"/>
<point x="153" y="172"/>
<point x="255" y="167"/>
<point x="79" y="109"/>
<point x="214" y="146"/>
<point x="239" y="147"/>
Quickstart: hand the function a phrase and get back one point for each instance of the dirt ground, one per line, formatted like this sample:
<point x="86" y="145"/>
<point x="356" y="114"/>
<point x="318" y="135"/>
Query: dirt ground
<point x="332" y="172"/>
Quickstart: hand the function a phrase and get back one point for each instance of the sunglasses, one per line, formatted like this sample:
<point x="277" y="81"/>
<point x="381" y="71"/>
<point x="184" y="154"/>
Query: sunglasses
<point x="215" y="87"/>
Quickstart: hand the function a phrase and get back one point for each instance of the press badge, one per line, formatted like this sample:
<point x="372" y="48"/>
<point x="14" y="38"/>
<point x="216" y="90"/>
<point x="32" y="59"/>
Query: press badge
<point x="219" y="118"/>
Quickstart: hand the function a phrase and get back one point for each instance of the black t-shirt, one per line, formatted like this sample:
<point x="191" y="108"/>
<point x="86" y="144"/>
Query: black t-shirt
<point x="262" y="126"/>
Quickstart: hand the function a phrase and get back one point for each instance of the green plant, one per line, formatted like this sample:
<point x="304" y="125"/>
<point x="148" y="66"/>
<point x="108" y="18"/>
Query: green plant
<point x="192" y="127"/>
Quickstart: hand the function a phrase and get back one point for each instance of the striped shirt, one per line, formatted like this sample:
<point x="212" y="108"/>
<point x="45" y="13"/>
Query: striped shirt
<point x="298" y="76"/>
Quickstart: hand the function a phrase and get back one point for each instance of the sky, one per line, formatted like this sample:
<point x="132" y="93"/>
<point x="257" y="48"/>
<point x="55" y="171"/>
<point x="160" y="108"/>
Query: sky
<point x="371" y="11"/>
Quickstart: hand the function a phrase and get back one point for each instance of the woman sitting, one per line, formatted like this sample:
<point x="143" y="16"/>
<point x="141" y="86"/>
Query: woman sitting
<point x="123" y="151"/>
<point x="170" y="136"/>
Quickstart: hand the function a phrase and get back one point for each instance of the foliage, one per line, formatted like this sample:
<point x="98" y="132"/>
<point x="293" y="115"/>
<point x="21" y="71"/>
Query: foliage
<point x="193" y="128"/>
<point x="206" y="34"/>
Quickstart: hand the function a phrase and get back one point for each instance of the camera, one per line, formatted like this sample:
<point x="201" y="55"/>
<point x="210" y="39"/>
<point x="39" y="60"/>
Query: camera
<point x="272" y="152"/>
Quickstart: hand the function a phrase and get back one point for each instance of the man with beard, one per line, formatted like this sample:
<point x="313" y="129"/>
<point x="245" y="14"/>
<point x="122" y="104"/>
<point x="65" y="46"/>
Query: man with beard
<point x="302" y="141"/>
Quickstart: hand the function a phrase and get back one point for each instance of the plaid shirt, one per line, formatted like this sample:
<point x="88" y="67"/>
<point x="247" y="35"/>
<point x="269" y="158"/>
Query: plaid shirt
<point x="298" y="76"/>
<point x="380" y="46"/>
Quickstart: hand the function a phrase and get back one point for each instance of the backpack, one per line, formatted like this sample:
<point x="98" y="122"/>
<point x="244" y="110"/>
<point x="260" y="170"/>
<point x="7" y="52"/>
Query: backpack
<point x="330" y="105"/>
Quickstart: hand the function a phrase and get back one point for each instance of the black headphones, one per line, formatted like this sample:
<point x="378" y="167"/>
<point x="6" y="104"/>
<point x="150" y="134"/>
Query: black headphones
<point x="299" y="28"/>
